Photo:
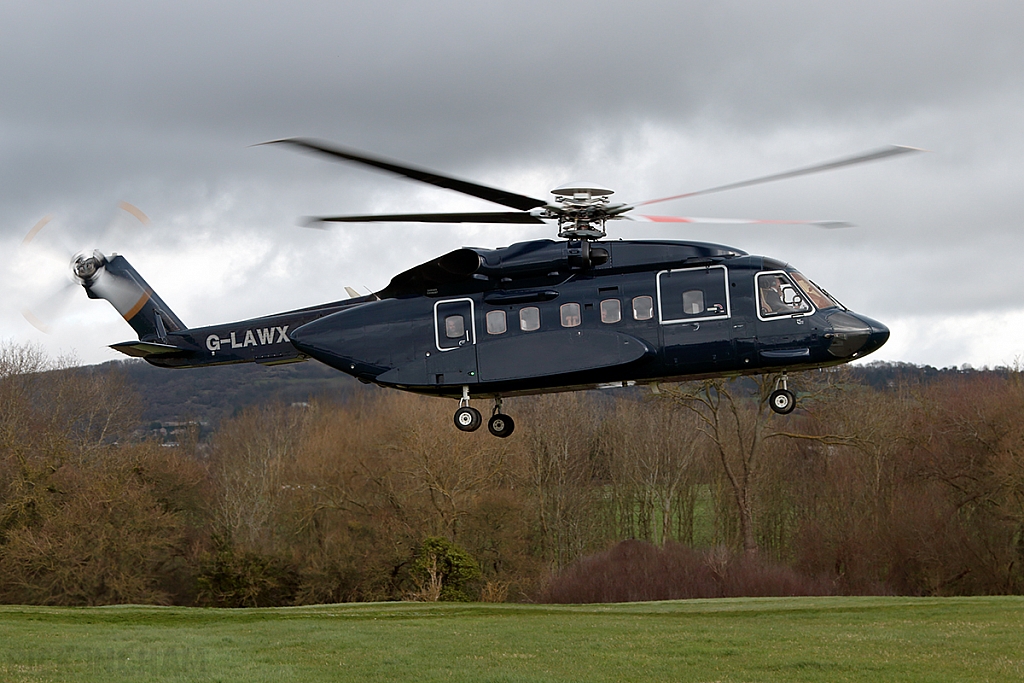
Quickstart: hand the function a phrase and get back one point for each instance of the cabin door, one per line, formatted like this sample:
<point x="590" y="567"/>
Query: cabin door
<point x="453" y="358"/>
<point x="695" y="313"/>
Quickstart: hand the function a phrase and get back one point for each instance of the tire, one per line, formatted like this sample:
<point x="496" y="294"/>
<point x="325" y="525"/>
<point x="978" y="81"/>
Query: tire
<point x="782" y="401"/>
<point x="501" y="426"/>
<point x="468" y="419"/>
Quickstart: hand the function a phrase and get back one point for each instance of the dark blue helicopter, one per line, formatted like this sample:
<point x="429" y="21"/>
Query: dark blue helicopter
<point x="534" y="317"/>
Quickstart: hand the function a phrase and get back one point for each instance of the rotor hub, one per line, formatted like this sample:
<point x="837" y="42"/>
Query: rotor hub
<point x="582" y="210"/>
<point x="86" y="266"/>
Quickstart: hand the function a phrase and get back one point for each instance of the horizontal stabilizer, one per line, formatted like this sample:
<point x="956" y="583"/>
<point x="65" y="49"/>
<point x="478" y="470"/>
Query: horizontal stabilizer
<point x="141" y="349"/>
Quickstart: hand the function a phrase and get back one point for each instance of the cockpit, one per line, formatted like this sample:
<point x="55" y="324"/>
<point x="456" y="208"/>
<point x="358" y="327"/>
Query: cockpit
<point x="788" y="293"/>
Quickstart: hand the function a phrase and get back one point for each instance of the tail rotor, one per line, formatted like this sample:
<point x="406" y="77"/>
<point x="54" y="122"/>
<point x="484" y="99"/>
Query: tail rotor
<point x="52" y="269"/>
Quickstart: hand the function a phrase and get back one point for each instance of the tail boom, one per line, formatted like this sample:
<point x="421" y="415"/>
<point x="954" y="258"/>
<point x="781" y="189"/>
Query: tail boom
<point x="165" y="341"/>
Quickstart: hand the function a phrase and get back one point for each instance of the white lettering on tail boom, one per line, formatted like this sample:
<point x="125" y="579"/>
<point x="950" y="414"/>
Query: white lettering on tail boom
<point x="263" y="336"/>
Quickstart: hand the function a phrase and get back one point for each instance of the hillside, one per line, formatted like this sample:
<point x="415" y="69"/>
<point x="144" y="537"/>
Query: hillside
<point x="209" y="395"/>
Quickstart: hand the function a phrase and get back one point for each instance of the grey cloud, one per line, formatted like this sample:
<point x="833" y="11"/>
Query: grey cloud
<point x="157" y="104"/>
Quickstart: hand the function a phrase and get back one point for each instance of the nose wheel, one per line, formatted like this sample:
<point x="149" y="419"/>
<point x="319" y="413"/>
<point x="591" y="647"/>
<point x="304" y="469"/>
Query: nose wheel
<point x="782" y="400"/>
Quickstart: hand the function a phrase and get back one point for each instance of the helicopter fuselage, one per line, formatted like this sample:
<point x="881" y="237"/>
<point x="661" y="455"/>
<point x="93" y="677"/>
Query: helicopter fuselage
<point x="546" y="316"/>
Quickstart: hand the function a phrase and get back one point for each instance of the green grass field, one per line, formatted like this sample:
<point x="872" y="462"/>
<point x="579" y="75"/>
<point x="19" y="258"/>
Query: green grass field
<point x="770" y="639"/>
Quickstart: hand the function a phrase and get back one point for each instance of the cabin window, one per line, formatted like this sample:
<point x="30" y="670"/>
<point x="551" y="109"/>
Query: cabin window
<point x="496" y="323"/>
<point x="570" y="314"/>
<point x="529" y="319"/>
<point x="454" y="327"/>
<point x="643" y="308"/>
<point x="692" y="294"/>
<point x="611" y="311"/>
<point x="777" y="296"/>
<point x="693" y="302"/>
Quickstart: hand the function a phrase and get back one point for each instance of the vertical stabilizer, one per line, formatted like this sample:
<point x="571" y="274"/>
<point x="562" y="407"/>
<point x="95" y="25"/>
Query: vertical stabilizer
<point x="113" y="278"/>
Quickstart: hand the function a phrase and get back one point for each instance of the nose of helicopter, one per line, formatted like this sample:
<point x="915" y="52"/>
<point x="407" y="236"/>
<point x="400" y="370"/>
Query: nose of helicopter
<point x="878" y="334"/>
<point x="855" y="335"/>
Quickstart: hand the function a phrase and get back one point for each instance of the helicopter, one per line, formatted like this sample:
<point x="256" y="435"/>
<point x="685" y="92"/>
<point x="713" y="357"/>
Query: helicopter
<point x="533" y="317"/>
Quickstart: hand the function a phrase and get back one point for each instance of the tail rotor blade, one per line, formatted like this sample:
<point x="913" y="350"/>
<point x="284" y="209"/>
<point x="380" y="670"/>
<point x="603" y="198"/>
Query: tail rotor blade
<point x="134" y="211"/>
<point x="45" y="262"/>
<point x="36" y="229"/>
<point x="125" y="221"/>
<point x="51" y="243"/>
<point x="44" y="313"/>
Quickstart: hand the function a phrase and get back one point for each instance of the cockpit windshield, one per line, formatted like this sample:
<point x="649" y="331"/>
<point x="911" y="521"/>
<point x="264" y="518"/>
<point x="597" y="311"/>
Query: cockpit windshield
<point x="819" y="298"/>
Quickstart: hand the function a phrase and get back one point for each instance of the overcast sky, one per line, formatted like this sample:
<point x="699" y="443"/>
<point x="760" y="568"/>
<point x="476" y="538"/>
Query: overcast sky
<point x="158" y="104"/>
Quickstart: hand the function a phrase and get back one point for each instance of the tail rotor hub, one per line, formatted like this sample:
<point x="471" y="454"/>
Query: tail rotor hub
<point x="85" y="267"/>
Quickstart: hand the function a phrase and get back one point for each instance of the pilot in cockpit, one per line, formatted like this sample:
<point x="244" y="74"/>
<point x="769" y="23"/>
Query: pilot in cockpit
<point x="771" y="295"/>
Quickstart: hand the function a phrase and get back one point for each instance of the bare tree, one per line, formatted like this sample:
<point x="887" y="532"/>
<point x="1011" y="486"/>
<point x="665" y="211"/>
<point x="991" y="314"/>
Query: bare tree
<point x="450" y="467"/>
<point x="558" y="445"/>
<point x="735" y="417"/>
<point x="249" y="456"/>
<point x="652" y="454"/>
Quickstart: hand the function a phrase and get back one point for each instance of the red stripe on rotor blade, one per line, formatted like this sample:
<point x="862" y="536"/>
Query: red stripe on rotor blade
<point x="667" y="219"/>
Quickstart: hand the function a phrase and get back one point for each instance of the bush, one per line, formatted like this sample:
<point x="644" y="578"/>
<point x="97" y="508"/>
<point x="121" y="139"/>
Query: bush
<point x="91" y="535"/>
<point x="442" y="570"/>
<point x="635" y="571"/>
<point x="237" y="578"/>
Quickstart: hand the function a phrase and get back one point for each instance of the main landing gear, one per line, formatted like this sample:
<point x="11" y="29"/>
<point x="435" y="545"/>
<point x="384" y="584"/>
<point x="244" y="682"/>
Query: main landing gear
<point x="469" y="419"/>
<point x="782" y="399"/>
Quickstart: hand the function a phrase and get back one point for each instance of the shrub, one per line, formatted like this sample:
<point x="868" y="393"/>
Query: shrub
<point x="91" y="535"/>
<point x="442" y="570"/>
<point x="635" y="571"/>
<point x="230" y="577"/>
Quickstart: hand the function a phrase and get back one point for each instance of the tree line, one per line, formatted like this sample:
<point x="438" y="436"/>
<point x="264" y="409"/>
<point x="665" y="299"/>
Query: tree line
<point x="905" y="487"/>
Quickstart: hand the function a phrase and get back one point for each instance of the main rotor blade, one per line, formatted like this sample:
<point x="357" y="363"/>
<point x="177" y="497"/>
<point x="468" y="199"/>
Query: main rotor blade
<point x="480" y="217"/>
<point x="874" y="155"/>
<point x="734" y="221"/>
<point x="509" y="199"/>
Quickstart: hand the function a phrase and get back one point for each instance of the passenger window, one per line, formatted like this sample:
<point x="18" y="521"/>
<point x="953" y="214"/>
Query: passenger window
<point x="693" y="302"/>
<point x="496" y="323"/>
<point x="643" y="308"/>
<point x="611" y="311"/>
<point x="570" y="314"/>
<point x="778" y="296"/>
<point x="693" y="294"/>
<point x="454" y="327"/>
<point x="529" y="319"/>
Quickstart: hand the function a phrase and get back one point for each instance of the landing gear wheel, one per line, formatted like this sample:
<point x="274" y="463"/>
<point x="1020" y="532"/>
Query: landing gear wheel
<point x="782" y="401"/>
<point x="501" y="425"/>
<point x="468" y="419"/>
